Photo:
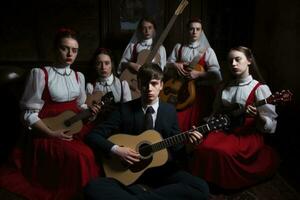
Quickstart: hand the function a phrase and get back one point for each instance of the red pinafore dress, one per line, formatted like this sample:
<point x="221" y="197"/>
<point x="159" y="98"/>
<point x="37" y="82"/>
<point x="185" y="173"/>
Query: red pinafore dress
<point x="236" y="159"/>
<point x="202" y="106"/>
<point x="50" y="168"/>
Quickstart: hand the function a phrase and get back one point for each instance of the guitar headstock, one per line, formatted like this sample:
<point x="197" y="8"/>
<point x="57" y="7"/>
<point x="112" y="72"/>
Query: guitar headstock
<point x="218" y="122"/>
<point x="280" y="97"/>
<point x="181" y="7"/>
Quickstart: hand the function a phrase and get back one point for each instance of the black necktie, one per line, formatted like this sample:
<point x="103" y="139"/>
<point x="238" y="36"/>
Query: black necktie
<point x="148" y="118"/>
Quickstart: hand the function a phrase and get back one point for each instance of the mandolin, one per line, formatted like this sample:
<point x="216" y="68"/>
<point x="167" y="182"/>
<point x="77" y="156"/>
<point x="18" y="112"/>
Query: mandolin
<point x="146" y="56"/>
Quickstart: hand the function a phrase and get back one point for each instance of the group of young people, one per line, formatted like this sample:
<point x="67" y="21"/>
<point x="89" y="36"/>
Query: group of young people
<point x="52" y="164"/>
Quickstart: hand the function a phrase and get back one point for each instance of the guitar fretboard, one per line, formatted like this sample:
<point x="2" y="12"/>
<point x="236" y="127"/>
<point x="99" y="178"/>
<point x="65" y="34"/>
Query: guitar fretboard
<point x="178" y="139"/>
<point x="82" y="115"/>
<point x="160" y="40"/>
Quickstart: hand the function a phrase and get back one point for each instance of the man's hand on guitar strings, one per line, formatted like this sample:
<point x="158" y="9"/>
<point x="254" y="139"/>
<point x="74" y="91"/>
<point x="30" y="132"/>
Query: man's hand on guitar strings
<point x="195" y="137"/>
<point x="127" y="154"/>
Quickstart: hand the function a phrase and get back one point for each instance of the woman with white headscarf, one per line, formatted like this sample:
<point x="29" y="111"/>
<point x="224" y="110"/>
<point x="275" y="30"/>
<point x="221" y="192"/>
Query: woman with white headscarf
<point x="197" y="70"/>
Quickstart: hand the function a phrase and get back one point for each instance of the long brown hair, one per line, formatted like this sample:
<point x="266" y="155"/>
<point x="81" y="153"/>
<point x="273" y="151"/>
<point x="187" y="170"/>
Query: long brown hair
<point x="253" y="68"/>
<point x="91" y="75"/>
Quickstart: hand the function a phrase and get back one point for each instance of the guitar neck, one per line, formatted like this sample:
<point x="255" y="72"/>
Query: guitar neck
<point x="178" y="139"/>
<point x="107" y="98"/>
<point x="237" y="110"/>
<point x="161" y="39"/>
<point x="80" y="116"/>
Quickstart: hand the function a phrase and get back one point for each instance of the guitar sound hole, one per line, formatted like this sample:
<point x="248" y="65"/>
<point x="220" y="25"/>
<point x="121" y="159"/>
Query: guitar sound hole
<point x="68" y="123"/>
<point x="145" y="150"/>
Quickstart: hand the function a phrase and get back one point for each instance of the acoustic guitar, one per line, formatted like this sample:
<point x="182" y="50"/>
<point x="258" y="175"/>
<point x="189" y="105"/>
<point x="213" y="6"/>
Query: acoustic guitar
<point x="178" y="90"/>
<point x="152" y="148"/>
<point x="281" y="97"/>
<point x="236" y="112"/>
<point x="146" y="56"/>
<point x="71" y="121"/>
<point x="93" y="98"/>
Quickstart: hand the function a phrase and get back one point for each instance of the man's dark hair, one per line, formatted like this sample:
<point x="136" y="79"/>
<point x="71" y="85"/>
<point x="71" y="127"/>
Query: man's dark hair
<point x="150" y="71"/>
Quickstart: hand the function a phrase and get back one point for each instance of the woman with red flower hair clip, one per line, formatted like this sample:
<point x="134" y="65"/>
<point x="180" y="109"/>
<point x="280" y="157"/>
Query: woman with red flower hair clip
<point x="51" y="163"/>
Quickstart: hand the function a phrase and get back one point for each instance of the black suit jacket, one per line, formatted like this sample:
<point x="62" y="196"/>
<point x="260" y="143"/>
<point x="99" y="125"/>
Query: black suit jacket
<point x="129" y="119"/>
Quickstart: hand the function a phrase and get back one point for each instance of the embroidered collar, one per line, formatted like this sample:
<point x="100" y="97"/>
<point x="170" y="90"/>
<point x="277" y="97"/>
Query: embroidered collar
<point x="194" y="45"/>
<point x="65" y="71"/>
<point x="146" y="43"/>
<point x="244" y="81"/>
<point x="107" y="81"/>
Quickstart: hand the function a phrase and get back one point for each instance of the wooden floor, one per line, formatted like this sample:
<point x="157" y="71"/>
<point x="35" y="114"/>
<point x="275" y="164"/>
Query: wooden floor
<point x="276" y="188"/>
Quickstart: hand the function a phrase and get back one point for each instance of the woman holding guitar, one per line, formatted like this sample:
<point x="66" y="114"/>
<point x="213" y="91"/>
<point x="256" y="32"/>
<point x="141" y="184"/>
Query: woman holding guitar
<point x="104" y="80"/>
<point x="238" y="158"/>
<point x="137" y="52"/>
<point x="196" y="70"/>
<point x="52" y="164"/>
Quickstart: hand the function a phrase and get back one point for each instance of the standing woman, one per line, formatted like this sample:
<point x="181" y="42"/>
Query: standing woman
<point x="104" y="79"/>
<point x="194" y="61"/>
<point x="239" y="157"/>
<point x="52" y="164"/>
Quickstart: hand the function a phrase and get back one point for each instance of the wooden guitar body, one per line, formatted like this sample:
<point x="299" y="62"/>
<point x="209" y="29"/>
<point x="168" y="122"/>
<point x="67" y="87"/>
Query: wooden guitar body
<point x="152" y="148"/>
<point x="93" y="98"/>
<point x="70" y="121"/>
<point x="59" y="122"/>
<point x="130" y="76"/>
<point x="114" y="167"/>
<point x="180" y="91"/>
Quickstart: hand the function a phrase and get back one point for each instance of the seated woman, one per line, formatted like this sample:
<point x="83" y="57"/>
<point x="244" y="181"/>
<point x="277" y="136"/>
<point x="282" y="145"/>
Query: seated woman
<point x="239" y="157"/>
<point x="104" y="79"/>
<point x="51" y="163"/>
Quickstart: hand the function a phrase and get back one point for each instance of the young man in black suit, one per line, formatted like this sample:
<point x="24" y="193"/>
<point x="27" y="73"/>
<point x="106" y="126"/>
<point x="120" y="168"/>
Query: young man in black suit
<point x="163" y="182"/>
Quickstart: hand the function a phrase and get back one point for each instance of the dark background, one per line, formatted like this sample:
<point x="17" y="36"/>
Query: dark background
<point x="270" y="28"/>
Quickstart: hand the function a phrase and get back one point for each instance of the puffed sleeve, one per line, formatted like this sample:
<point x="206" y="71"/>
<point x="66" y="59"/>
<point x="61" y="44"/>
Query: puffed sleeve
<point x="267" y="112"/>
<point x="82" y="95"/>
<point x="31" y="102"/>
<point x="89" y="88"/>
<point x="163" y="57"/>
<point x="126" y="57"/>
<point x="126" y="91"/>
<point x="213" y="69"/>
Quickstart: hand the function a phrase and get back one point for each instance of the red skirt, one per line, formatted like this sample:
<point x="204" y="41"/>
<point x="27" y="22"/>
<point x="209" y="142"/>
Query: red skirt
<point x="50" y="168"/>
<point x="202" y="107"/>
<point x="234" y="161"/>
